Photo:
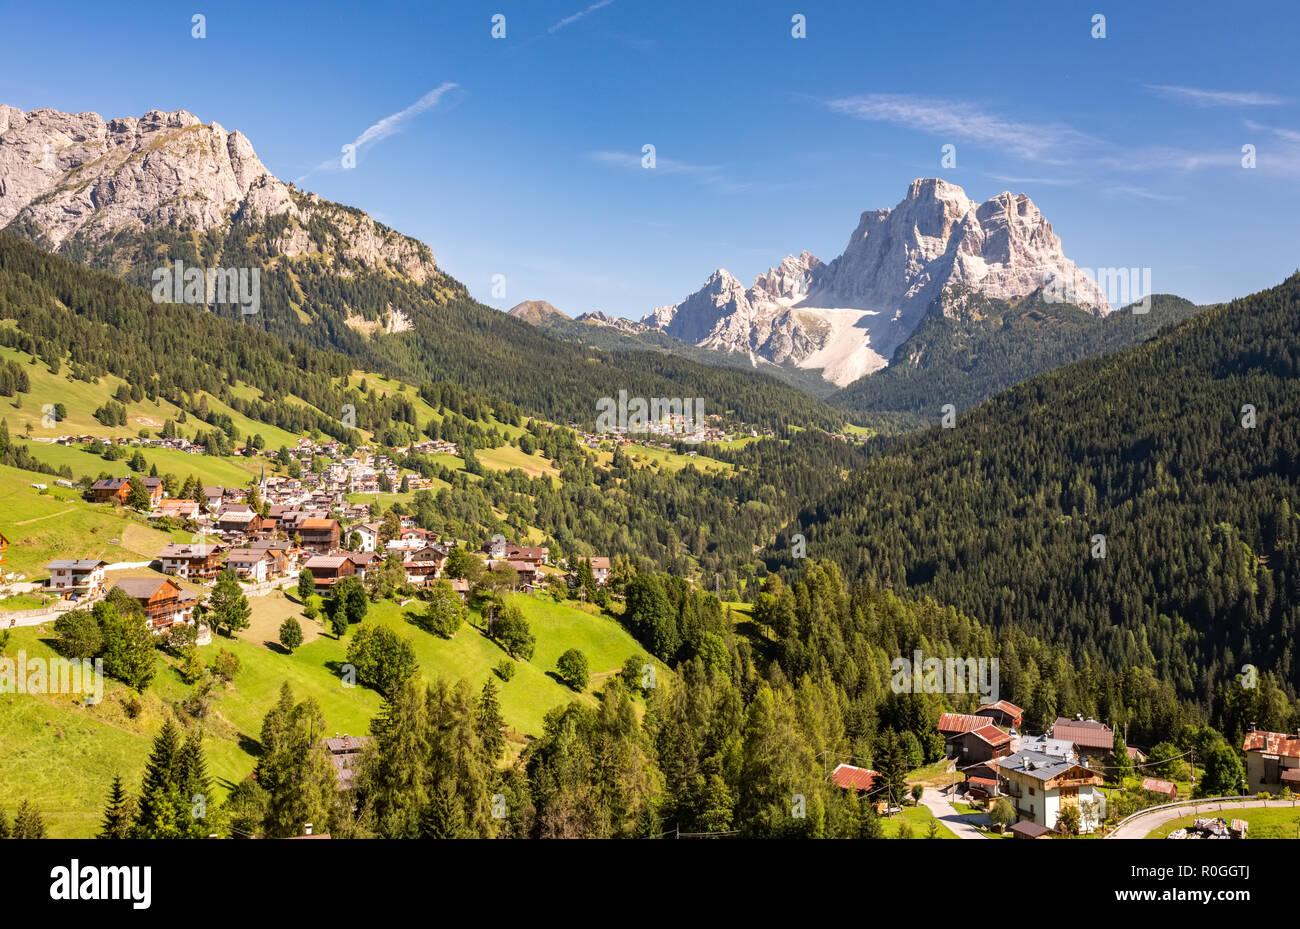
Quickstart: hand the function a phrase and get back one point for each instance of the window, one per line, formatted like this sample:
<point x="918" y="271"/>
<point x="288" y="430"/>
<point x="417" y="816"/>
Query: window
<point x="1031" y="791"/>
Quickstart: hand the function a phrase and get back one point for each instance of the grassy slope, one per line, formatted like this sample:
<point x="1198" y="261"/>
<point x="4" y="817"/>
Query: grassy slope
<point x="63" y="756"/>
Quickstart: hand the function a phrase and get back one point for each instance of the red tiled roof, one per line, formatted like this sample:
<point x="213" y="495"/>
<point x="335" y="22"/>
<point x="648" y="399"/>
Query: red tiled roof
<point x="992" y="735"/>
<point x="848" y="777"/>
<point x="1006" y="706"/>
<point x="1291" y="775"/>
<point x="954" y="723"/>
<point x="1272" y="743"/>
<point x="986" y="782"/>
<point x="1159" y="787"/>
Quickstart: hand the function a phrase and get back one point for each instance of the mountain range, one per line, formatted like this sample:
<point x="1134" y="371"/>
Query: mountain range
<point x="846" y="318"/>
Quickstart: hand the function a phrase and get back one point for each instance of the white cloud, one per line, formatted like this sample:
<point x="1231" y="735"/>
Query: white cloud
<point x="1200" y="97"/>
<point x="958" y="121"/>
<point x="568" y="20"/>
<point x="389" y="125"/>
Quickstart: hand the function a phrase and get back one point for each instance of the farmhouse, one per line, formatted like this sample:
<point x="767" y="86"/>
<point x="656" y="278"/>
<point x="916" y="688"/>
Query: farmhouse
<point x="975" y="745"/>
<point x="76" y="578"/>
<point x="952" y="725"/>
<point x="328" y="570"/>
<point x="319" y="535"/>
<point x="250" y="564"/>
<point x="1272" y="761"/>
<point x="1041" y="786"/>
<point x="600" y="570"/>
<point x="1091" y="740"/>
<point x="1004" y="713"/>
<point x="345" y="752"/>
<point x="164" y="603"/>
<point x="1164" y="788"/>
<point x="116" y="489"/>
<point x="197" y="561"/>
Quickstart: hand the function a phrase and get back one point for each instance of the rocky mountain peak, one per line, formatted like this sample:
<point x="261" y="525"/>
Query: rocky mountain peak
<point x="847" y="317"/>
<point x="76" y="177"/>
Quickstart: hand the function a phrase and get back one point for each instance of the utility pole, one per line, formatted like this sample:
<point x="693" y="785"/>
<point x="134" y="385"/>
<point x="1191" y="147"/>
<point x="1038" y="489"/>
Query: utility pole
<point x="1193" y="770"/>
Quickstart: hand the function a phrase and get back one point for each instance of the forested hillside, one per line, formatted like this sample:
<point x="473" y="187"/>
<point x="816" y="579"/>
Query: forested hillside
<point x="343" y="310"/>
<point x="970" y="346"/>
<point x="1150" y="448"/>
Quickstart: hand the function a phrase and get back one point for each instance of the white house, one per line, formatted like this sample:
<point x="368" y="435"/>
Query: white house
<point x="1041" y="786"/>
<point x="81" y="577"/>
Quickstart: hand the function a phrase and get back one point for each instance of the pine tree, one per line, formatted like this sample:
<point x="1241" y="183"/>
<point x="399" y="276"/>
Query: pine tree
<point x="490" y="725"/>
<point x="444" y="817"/>
<point x="160" y="814"/>
<point x="28" y="824"/>
<point x="4" y="825"/>
<point x="194" y="785"/>
<point x="118" y="816"/>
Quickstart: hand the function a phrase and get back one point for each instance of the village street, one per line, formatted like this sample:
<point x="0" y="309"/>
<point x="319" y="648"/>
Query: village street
<point x="960" y="823"/>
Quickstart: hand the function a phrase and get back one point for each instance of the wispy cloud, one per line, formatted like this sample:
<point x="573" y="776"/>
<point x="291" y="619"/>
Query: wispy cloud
<point x="959" y="121"/>
<point x="1201" y="97"/>
<point x="388" y="126"/>
<point x="662" y="165"/>
<point x="569" y="20"/>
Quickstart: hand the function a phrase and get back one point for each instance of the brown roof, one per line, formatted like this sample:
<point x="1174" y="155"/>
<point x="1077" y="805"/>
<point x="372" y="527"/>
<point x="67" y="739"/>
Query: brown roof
<point x="1272" y="743"/>
<point x="1158" y="786"/>
<point x="1086" y="733"/>
<point x="953" y="723"/>
<point x="1030" y="829"/>
<point x="142" y="588"/>
<point x="849" y="777"/>
<point x="1006" y="706"/>
<point x="318" y="524"/>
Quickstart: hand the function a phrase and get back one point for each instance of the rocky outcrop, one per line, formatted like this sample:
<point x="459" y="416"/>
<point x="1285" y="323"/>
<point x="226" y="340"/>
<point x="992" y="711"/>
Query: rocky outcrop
<point x="74" y="177"/>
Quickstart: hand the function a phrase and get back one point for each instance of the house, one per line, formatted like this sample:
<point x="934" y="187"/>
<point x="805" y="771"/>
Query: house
<point x="319" y="535"/>
<point x="1041" y="786"/>
<point x="176" y="508"/>
<point x="533" y="556"/>
<point x="1046" y="745"/>
<point x="238" y="522"/>
<point x="975" y="745"/>
<point x="1164" y="788"/>
<point x="952" y="725"/>
<point x="425" y="565"/>
<point x="345" y="752"/>
<point x="77" y="578"/>
<point x="982" y="781"/>
<point x="284" y="555"/>
<point x="1272" y="761"/>
<point x="328" y="570"/>
<point x="164" y="603"/>
<point x="851" y="777"/>
<point x="196" y="562"/>
<point x="461" y="586"/>
<point x="600" y="570"/>
<point x="368" y="533"/>
<point x="116" y="489"/>
<point x="861" y="781"/>
<point x="364" y="562"/>
<point x="212" y="497"/>
<point x="1004" y="713"/>
<point x="250" y="564"/>
<point x="1091" y="740"/>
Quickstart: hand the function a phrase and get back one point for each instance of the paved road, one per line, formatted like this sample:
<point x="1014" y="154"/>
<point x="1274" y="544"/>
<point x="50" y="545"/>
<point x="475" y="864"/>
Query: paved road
<point x="1140" y="826"/>
<point x="960" y="823"/>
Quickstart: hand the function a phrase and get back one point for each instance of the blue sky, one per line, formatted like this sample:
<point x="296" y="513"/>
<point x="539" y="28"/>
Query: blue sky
<point x="522" y="156"/>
